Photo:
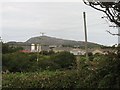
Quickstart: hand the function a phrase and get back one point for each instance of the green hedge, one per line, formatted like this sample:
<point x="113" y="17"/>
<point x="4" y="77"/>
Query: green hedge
<point x="47" y="79"/>
<point x="102" y="72"/>
<point x="27" y="62"/>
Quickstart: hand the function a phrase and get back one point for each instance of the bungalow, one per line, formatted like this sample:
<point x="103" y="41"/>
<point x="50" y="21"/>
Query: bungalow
<point x="104" y="51"/>
<point x="77" y="52"/>
<point x="97" y="51"/>
<point x="61" y="49"/>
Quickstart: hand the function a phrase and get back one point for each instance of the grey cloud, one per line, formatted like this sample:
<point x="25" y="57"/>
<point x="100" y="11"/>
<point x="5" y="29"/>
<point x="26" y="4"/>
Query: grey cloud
<point x="65" y="20"/>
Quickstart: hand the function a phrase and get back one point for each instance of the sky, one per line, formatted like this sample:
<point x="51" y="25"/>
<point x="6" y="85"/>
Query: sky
<point x="21" y="20"/>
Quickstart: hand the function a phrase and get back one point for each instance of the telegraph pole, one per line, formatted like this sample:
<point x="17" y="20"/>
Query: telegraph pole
<point x="0" y="39"/>
<point x="37" y="52"/>
<point x="85" y="29"/>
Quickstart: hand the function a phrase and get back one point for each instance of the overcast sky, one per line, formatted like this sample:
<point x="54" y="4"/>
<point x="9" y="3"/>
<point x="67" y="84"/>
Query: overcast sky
<point x="23" y="20"/>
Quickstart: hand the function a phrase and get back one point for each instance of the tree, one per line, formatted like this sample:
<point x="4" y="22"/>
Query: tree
<point x="110" y="8"/>
<point x="7" y="49"/>
<point x="64" y="59"/>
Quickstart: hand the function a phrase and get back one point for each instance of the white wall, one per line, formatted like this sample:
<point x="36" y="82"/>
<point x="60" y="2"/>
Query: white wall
<point x="32" y="47"/>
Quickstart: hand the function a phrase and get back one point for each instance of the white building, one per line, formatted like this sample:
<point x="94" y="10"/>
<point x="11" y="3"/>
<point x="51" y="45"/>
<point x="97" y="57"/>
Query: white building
<point x="33" y="48"/>
<point x="77" y="52"/>
<point x="97" y="51"/>
<point x="39" y="48"/>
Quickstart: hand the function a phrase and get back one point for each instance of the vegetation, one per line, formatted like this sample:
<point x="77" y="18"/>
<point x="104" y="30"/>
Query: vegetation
<point x="101" y="72"/>
<point x="9" y="49"/>
<point x="27" y="62"/>
<point x="46" y="79"/>
<point x="60" y="70"/>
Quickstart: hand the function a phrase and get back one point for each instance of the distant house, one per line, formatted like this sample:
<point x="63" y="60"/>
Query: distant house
<point x="107" y="51"/>
<point x="39" y="48"/>
<point x="33" y="48"/>
<point x="97" y="51"/>
<point x="77" y="52"/>
<point x="52" y="46"/>
<point x="103" y="51"/>
<point x="61" y="49"/>
<point x="45" y="48"/>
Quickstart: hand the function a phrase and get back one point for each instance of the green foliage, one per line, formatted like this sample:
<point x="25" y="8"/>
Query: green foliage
<point x="61" y="60"/>
<point x="9" y="49"/>
<point x="27" y="62"/>
<point x="47" y="65"/>
<point x="64" y="59"/>
<point x="47" y="79"/>
<point x="47" y="52"/>
<point x="17" y="62"/>
<point x="103" y="71"/>
<point x="110" y="81"/>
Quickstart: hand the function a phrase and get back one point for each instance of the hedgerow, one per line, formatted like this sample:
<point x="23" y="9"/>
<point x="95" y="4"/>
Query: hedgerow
<point x="46" y="79"/>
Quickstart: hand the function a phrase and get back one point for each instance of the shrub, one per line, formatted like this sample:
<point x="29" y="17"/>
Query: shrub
<point x="17" y="62"/>
<point x="51" y="80"/>
<point x="27" y="62"/>
<point x="64" y="59"/>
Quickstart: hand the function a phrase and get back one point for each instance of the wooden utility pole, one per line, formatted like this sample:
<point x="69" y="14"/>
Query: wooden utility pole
<point x="118" y="35"/>
<point x="0" y="39"/>
<point x="38" y="46"/>
<point x="85" y="29"/>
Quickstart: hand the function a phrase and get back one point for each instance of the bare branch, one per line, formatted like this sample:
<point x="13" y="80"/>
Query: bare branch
<point x="91" y="4"/>
<point x="112" y="33"/>
<point x="97" y="8"/>
<point x="111" y="9"/>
